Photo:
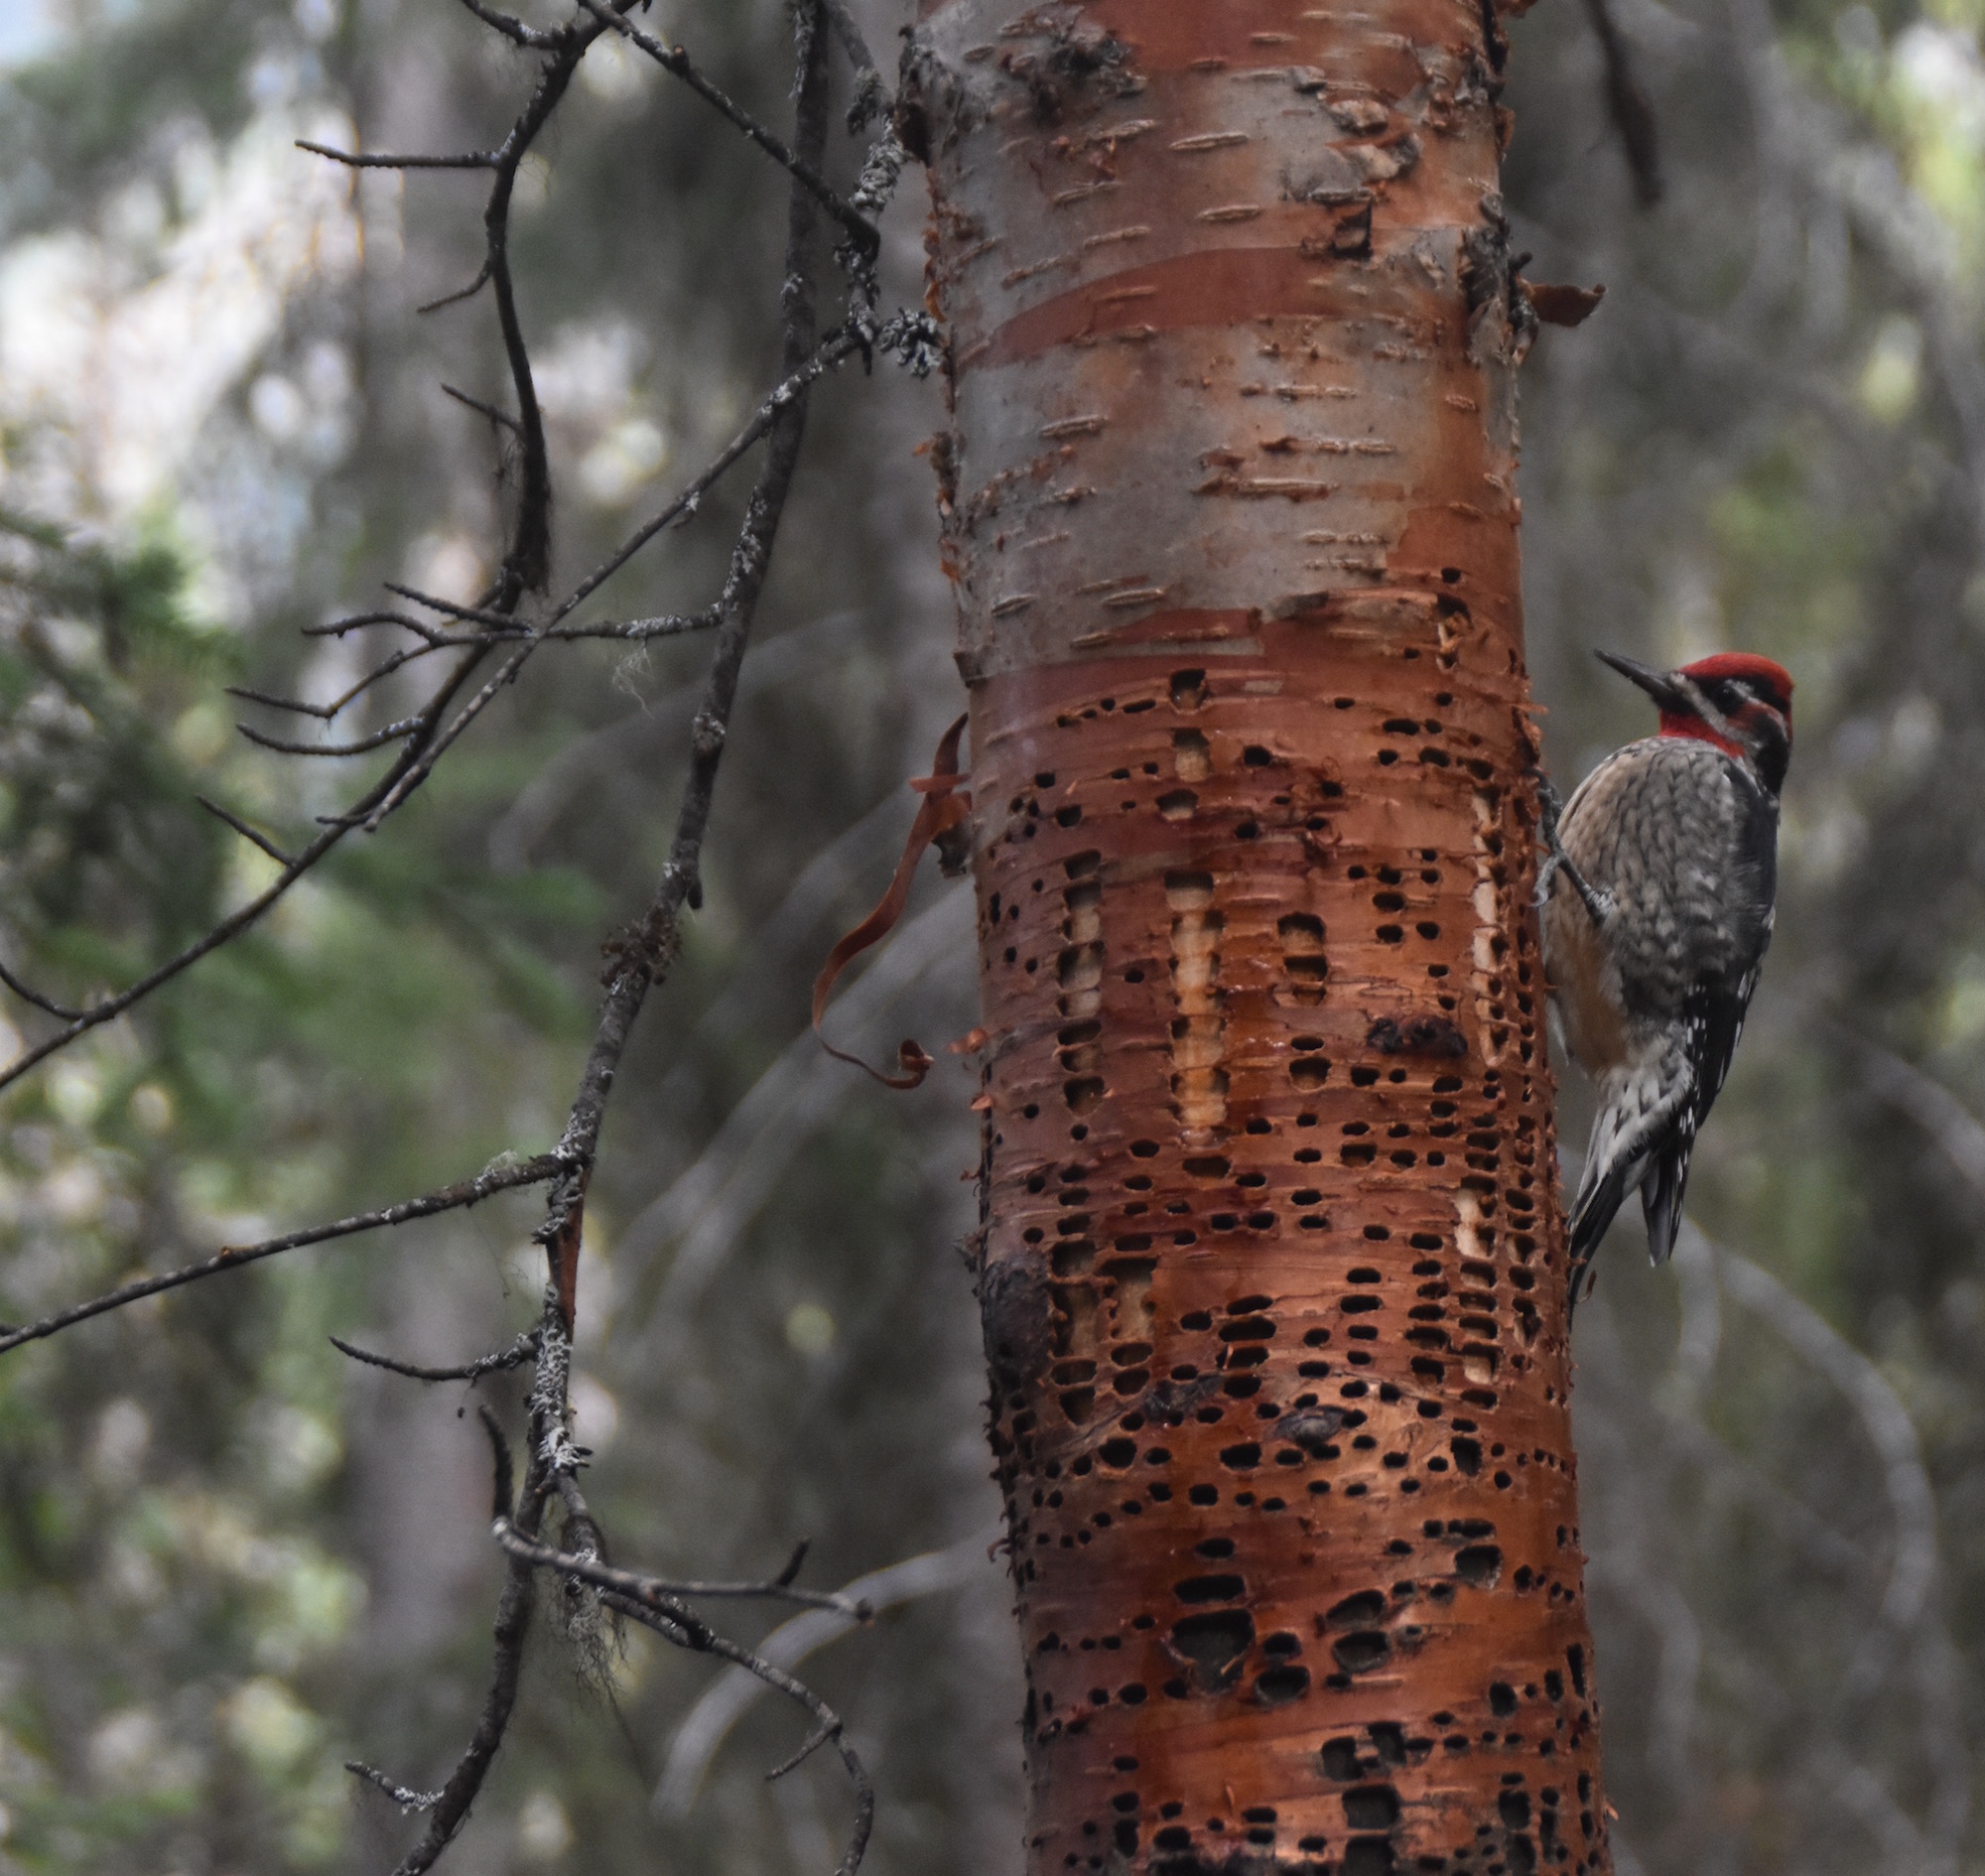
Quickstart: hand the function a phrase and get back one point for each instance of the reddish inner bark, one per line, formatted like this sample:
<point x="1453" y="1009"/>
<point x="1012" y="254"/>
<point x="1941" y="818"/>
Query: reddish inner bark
<point x="1274" y="1266"/>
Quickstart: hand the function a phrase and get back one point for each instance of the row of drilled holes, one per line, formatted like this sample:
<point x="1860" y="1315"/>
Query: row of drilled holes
<point x="1306" y="1449"/>
<point x="1217" y="1640"/>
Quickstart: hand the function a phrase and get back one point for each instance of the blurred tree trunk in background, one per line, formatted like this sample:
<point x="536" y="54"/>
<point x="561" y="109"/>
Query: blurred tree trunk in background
<point x="1272" y="1267"/>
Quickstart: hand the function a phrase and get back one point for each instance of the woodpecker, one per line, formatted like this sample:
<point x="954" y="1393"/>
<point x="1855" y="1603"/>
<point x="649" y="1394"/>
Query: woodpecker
<point x="1656" y="893"/>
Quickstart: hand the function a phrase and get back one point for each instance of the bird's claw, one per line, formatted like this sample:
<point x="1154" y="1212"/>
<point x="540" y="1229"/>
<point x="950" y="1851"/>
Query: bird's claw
<point x="1551" y="806"/>
<point x="1551" y="809"/>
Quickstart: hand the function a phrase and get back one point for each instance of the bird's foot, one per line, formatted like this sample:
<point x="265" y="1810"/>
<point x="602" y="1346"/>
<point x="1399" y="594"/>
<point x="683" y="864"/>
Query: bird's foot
<point x="1551" y="809"/>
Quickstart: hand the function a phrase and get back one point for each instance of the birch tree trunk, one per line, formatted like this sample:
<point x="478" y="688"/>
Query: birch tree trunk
<point x="1273" y="1259"/>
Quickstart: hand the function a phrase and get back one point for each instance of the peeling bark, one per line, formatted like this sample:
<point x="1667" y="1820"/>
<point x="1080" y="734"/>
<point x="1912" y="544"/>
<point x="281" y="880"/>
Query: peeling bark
<point x="1272" y="1261"/>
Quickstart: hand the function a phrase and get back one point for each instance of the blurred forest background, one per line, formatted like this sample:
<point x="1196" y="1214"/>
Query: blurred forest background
<point x="231" y="1558"/>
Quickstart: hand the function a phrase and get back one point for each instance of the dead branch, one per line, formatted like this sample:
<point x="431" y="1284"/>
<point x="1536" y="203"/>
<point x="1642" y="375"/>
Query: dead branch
<point x="724" y="1701"/>
<point x="516" y="1356"/>
<point x="359" y="746"/>
<point x="28" y="994"/>
<point x="512" y="1625"/>
<point x="659" y="1593"/>
<point x="247" y="833"/>
<point x="406" y="1799"/>
<point x="361" y="160"/>
<point x="511" y="29"/>
<point x="872" y="98"/>
<point x="802" y="164"/>
<point x="501" y="1179"/>
<point x="502" y="418"/>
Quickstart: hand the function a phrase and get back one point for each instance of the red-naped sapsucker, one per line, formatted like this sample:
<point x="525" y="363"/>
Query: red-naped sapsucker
<point x="1656" y="893"/>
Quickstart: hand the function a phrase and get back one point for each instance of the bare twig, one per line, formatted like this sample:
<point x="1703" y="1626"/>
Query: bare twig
<point x="630" y="630"/>
<point x="461" y="294"/>
<point x="406" y="1799"/>
<point x="359" y="746"/>
<point x="80" y="1022"/>
<point x="501" y="1178"/>
<point x="325" y="712"/>
<point x="502" y="630"/>
<point x="424" y="744"/>
<point x="338" y="628"/>
<point x="28" y="994"/>
<point x="659" y="1593"/>
<point x="452" y="608"/>
<point x="654" y="1604"/>
<point x="502" y="418"/>
<point x="808" y="1747"/>
<point x="247" y="833"/>
<point x="729" y="1697"/>
<point x="511" y="29"/>
<point x="829" y="1722"/>
<point x="789" y="394"/>
<point x="512" y="1625"/>
<point x="871" y="95"/>
<point x="642" y="957"/>
<point x="527" y="566"/>
<point x="804" y="165"/>
<point x="516" y="1356"/>
<point x="650" y="951"/>
<point x="524" y="569"/>
<point x="365" y="160"/>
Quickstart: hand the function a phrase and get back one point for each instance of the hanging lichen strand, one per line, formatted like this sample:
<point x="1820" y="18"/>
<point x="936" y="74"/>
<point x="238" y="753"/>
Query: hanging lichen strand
<point x="1273" y="1261"/>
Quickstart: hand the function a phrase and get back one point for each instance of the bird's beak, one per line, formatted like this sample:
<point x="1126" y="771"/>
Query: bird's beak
<point x="1660" y="685"/>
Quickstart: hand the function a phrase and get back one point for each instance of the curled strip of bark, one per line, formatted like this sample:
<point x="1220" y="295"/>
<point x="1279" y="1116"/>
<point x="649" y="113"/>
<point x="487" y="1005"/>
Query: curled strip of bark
<point x="1630" y="107"/>
<point x="449" y="1198"/>
<point x="942" y="812"/>
<point x="516" y="1356"/>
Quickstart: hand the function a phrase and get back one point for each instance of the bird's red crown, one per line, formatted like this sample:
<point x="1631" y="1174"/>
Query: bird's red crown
<point x="1771" y="682"/>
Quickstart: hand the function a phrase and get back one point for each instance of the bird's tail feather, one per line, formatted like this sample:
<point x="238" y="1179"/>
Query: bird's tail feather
<point x="1661" y="1202"/>
<point x="1602" y="1190"/>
